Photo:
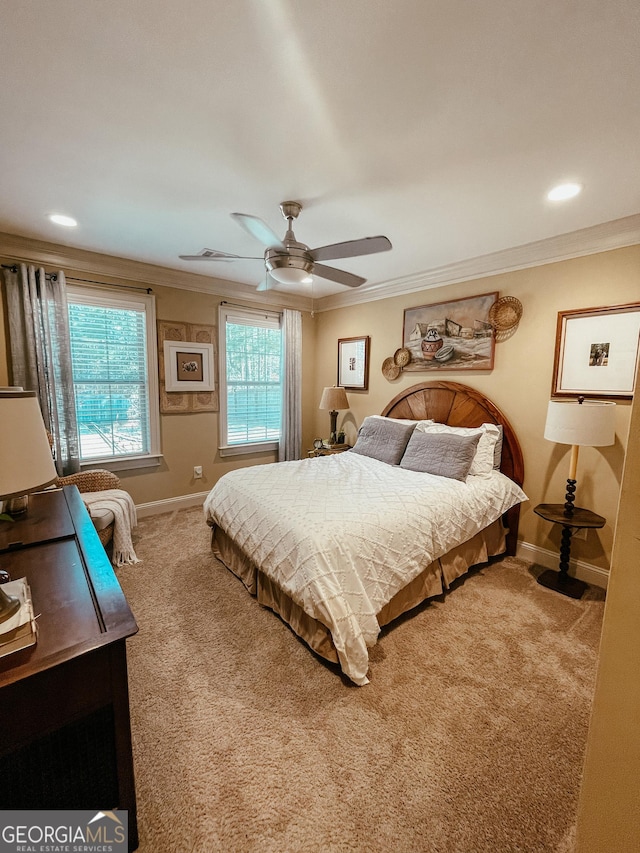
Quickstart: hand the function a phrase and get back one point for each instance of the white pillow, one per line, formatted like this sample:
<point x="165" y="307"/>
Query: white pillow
<point x="483" y="461"/>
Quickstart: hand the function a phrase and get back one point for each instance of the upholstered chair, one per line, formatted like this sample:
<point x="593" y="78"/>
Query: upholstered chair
<point x="96" y="480"/>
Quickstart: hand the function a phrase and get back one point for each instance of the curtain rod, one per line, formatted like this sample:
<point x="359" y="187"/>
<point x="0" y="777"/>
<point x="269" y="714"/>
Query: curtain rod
<point x="104" y="284"/>
<point x="54" y="276"/>
<point x="264" y="311"/>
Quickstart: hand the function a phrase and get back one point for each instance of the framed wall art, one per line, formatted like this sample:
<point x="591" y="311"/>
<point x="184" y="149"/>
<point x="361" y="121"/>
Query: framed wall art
<point x="192" y="387"/>
<point x="453" y="335"/>
<point x="597" y="352"/>
<point x="353" y="363"/>
<point x="188" y="366"/>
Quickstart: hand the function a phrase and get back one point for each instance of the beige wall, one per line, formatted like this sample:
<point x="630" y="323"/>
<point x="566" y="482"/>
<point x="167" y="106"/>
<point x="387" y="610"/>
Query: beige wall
<point x="608" y="814"/>
<point x="192" y="439"/>
<point x="519" y="384"/>
<point x="187" y="439"/>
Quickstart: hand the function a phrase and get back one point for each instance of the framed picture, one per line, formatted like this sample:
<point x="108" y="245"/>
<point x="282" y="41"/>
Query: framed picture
<point x="597" y="352"/>
<point x="453" y="335"/>
<point x="353" y="363"/>
<point x="188" y="366"/>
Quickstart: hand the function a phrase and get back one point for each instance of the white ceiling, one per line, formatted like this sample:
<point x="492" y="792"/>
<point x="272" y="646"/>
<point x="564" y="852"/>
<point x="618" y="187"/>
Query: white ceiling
<point x="439" y="123"/>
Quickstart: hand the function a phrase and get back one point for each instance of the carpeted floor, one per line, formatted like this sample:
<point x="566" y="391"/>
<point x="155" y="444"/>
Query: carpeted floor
<point x="469" y="738"/>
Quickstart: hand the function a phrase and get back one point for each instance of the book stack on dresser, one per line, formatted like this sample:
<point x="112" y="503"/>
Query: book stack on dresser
<point x="19" y="631"/>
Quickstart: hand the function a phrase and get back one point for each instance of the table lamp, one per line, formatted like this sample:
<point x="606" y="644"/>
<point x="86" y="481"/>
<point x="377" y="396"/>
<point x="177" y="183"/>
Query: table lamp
<point x="579" y="423"/>
<point x="26" y="463"/>
<point x="334" y="398"/>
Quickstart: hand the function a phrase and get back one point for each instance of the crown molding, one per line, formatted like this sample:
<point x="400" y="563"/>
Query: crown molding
<point x="605" y="237"/>
<point x="80" y="262"/>
<point x="615" y="234"/>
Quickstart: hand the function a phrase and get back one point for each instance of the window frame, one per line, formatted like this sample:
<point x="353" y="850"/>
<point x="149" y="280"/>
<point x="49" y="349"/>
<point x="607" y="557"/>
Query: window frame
<point x="145" y="302"/>
<point x="271" y="317"/>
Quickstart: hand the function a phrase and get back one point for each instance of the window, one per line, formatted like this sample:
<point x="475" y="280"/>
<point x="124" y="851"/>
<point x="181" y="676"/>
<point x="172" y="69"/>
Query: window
<point x="114" y="377"/>
<point x="251" y="378"/>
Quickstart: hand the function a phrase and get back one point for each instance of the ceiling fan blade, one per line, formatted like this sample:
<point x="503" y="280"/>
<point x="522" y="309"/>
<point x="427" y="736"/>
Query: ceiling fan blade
<point x="259" y="229"/>
<point x="216" y="255"/>
<point x="339" y="276"/>
<point x="351" y="248"/>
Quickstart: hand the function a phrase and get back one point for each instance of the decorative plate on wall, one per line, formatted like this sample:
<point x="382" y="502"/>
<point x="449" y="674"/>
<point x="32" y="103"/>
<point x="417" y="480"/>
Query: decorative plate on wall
<point x="402" y="357"/>
<point x="390" y="369"/>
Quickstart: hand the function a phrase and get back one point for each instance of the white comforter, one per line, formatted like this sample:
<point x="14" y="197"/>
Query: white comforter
<point x="341" y="534"/>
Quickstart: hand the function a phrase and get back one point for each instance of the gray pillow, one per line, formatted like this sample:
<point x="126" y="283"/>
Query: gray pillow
<point x="383" y="439"/>
<point x="445" y="454"/>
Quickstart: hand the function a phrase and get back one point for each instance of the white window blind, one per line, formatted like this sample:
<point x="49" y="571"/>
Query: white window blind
<point x="114" y="369"/>
<point x="251" y="380"/>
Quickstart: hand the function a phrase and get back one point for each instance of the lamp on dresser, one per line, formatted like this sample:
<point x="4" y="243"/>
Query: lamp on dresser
<point x="334" y="398"/>
<point x="579" y="423"/>
<point x="26" y="464"/>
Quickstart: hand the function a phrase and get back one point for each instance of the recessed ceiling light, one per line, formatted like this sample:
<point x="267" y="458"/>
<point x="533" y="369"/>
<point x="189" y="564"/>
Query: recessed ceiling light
<point x="563" y="192"/>
<point x="61" y="219"/>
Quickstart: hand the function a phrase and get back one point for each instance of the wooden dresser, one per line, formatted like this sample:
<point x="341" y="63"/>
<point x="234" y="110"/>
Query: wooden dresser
<point x="65" y="734"/>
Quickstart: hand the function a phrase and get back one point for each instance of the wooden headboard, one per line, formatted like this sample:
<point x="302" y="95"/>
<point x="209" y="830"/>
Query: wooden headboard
<point x="458" y="405"/>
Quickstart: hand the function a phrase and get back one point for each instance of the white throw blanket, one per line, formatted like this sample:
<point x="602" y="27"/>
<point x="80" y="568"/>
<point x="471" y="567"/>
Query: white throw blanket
<point x="121" y="504"/>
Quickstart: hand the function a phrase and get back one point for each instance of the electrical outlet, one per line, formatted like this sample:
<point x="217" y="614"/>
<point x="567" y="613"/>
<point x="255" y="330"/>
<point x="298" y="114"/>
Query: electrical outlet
<point x="197" y="472"/>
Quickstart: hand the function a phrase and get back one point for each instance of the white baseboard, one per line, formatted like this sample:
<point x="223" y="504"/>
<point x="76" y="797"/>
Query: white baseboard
<point x="549" y="559"/>
<point x="170" y="504"/>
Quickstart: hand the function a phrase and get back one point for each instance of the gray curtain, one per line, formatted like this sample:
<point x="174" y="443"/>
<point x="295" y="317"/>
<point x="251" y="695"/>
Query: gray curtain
<point x="41" y="354"/>
<point x="291" y="439"/>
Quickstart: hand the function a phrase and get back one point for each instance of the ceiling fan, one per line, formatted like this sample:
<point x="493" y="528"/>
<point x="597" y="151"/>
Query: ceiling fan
<point x="291" y="262"/>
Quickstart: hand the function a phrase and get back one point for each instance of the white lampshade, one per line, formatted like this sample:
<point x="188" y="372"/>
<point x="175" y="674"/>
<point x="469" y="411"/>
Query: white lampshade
<point x="26" y="463"/>
<point x="589" y="424"/>
<point x="334" y="398"/>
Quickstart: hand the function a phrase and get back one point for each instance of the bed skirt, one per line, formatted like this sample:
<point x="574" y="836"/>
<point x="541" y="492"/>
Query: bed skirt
<point x="433" y="581"/>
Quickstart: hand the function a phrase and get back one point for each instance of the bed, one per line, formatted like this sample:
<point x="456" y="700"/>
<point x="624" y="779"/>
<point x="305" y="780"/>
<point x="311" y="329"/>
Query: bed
<point x="341" y="545"/>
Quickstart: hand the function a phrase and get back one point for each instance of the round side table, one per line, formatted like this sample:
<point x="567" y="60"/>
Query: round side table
<point x="578" y="519"/>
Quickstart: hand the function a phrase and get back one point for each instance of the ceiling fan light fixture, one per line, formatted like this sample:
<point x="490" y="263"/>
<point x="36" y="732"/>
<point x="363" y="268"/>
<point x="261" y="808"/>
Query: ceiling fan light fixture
<point x="294" y="268"/>
<point x="291" y="275"/>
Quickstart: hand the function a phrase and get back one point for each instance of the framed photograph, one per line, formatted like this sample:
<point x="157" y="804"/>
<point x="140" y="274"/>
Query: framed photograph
<point x="353" y="363"/>
<point x="597" y="352"/>
<point x="453" y="335"/>
<point x="188" y="366"/>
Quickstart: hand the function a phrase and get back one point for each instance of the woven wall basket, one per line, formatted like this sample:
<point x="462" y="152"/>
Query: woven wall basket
<point x="390" y="369"/>
<point x="402" y="357"/>
<point x="505" y="313"/>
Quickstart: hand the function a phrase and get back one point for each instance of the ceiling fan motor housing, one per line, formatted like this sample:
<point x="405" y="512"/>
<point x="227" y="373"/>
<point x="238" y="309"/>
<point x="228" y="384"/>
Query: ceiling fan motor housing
<point x="296" y="257"/>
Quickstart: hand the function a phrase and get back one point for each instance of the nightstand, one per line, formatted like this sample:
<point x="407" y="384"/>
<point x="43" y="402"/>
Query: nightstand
<point x="579" y="519"/>
<point x="328" y="451"/>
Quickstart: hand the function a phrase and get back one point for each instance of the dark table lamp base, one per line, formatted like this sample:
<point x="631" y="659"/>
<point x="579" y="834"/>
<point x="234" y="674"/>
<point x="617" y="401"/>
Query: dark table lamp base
<point x="563" y="583"/>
